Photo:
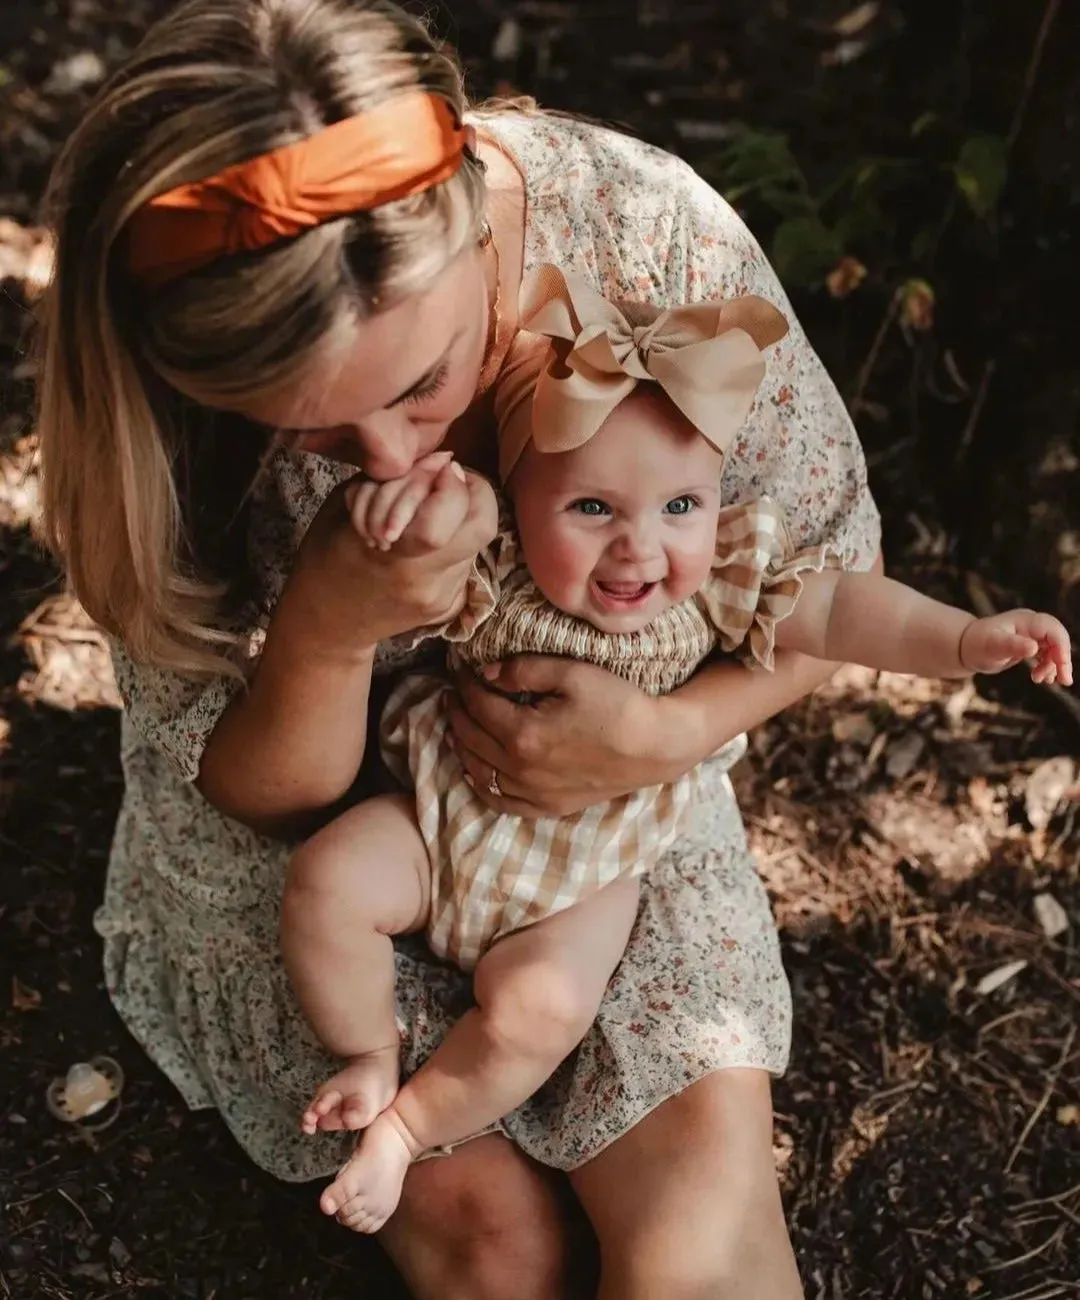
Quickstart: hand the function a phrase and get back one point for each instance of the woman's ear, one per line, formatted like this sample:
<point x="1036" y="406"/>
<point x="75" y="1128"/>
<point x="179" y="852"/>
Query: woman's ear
<point x="470" y="138"/>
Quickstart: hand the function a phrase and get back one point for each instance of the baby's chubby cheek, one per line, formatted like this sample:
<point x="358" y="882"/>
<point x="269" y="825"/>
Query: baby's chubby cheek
<point x="559" y="567"/>
<point x="688" y="570"/>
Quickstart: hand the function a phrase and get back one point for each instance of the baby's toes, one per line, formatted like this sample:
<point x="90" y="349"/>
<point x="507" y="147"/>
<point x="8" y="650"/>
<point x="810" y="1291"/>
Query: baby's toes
<point x="359" y="1217"/>
<point x="343" y="1193"/>
<point x="327" y="1101"/>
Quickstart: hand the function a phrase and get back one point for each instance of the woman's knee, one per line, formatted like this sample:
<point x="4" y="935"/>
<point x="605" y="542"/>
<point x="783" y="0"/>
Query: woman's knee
<point x="745" y="1255"/>
<point x="480" y="1225"/>
<point x="711" y="1223"/>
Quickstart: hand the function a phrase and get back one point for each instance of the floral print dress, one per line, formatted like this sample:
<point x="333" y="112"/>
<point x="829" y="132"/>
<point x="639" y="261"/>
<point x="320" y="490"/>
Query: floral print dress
<point x="190" y="915"/>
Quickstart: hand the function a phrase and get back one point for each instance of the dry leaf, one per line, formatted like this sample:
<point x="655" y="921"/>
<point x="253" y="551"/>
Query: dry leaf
<point x="855" y="728"/>
<point x="917" y="305"/>
<point x="844" y="53"/>
<point x="856" y="19"/>
<point x="904" y="754"/>
<point x="1069" y="1116"/>
<point x="996" y="978"/>
<point x="1046" y="787"/>
<point x="845" y="277"/>
<point x="1051" y="916"/>
<point x="23" y="997"/>
<point x="76" y="73"/>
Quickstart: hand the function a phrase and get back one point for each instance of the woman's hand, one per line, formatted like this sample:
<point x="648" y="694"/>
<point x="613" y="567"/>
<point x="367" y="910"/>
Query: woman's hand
<point x="585" y="737"/>
<point x="382" y="559"/>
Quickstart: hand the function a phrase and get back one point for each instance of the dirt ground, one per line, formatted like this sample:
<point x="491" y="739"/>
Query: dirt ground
<point x="928" y="1132"/>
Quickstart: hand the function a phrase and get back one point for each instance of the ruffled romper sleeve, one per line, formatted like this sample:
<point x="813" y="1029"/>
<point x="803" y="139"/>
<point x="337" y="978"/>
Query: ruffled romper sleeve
<point x="756" y="579"/>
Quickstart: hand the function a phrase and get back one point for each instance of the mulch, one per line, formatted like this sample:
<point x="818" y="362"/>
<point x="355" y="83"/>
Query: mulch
<point x="920" y="840"/>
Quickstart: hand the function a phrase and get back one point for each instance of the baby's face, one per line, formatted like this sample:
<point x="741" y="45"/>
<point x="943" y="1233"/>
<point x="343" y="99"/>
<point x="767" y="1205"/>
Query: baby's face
<point x="624" y="526"/>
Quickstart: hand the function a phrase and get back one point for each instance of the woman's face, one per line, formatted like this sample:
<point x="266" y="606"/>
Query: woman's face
<point x="386" y="395"/>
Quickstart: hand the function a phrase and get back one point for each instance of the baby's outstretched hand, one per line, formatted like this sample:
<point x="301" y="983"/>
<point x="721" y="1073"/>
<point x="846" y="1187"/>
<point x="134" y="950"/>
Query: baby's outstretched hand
<point x="990" y="645"/>
<point x="382" y="512"/>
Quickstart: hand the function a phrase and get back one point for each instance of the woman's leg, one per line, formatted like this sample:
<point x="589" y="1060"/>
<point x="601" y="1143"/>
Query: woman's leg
<point x="709" y="1224"/>
<point x="361" y="879"/>
<point x="484" y="1223"/>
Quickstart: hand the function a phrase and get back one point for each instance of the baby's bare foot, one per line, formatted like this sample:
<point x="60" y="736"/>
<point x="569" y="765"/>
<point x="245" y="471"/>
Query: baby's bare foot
<point x="355" y="1095"/>
<point x="367" y="1189"/>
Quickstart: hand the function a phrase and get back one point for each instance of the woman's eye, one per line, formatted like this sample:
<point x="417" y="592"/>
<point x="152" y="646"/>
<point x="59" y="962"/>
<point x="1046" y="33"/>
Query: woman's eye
<point x="590" y="506"/>
<point x="430" y="386"/>
<point x="680" y="505"/>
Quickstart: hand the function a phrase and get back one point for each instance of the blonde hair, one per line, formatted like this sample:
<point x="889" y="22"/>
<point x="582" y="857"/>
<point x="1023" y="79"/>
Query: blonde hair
<point x="212" y="84"/>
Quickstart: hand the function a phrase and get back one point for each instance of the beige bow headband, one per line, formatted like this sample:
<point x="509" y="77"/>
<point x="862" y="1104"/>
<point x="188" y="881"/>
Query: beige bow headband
<point x="706" y="357"/>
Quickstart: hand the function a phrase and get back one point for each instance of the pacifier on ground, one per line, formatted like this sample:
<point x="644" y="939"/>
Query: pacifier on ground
<point x="88" y="1095"/>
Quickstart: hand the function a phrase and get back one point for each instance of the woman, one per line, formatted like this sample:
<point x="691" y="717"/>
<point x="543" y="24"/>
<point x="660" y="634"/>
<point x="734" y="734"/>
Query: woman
<point x="204" y="402"/>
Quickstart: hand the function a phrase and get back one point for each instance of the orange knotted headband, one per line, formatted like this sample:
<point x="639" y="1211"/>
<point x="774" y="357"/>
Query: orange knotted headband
<point x="401" y="148"/>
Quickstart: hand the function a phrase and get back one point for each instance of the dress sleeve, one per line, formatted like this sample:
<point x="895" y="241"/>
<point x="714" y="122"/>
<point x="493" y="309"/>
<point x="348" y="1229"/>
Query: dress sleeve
<point x="756" y="579"/>
<point x="174" y="714"/>
<point x="798" y="445"/>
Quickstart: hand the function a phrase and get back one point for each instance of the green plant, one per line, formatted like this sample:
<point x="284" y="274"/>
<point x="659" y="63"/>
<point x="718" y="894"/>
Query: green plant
<point x="843" y="219"/>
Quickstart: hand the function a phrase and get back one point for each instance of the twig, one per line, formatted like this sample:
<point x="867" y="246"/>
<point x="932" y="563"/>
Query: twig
<point x="1044" y="1101"/>
<point x="1037" y="1293"/>
<point x="1032" y="72"/>
<point x="976" y="411"/>
<point x="76" y="1207"/>
<point x="1034" y="1253"/>
<point x="856" y="403"/>
<point x="1056" y="1199"/>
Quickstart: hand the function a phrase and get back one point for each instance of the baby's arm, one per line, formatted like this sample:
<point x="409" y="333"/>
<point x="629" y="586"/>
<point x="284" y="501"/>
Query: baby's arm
<point x="865" y="618"/>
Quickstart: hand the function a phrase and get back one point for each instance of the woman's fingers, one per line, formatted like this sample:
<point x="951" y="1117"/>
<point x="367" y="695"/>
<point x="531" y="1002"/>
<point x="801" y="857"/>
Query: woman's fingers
<point x="476" y="744"/>
<point x="513" y="798"/>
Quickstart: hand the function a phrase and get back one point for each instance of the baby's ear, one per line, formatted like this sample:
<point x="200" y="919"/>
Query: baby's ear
<point x="757" y="317"/>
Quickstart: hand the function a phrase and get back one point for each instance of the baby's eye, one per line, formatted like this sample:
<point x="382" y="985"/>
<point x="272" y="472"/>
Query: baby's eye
<point x="590" y="506"/>
<point x="681" y="505"/>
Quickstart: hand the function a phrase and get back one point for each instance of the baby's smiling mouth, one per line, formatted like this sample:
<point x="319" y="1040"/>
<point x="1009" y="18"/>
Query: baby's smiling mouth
<point x="622" y="595"/>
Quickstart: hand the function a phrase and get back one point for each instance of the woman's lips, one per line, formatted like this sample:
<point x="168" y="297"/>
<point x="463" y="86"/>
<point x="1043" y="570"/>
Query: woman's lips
<point x="622" y="596"/>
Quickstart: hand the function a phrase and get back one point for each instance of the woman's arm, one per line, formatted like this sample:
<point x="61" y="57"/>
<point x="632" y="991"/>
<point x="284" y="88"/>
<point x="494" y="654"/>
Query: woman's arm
<point x="291" y="744"/>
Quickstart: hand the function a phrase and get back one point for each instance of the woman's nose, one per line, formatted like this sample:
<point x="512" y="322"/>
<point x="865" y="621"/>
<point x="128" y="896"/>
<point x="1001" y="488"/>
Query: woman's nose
<point x="389" y="445"/>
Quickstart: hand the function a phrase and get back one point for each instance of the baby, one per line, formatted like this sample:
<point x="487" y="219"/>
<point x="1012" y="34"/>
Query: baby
<point x="616" y="548"/>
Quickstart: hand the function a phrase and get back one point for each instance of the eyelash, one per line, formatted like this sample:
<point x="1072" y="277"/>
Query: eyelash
<point x="432" y="385"/>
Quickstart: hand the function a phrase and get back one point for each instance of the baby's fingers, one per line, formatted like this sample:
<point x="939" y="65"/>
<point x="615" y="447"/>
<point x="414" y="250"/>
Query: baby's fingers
<point x="1053" y="662"/>
<point x="1005" y="646"/>
<point x="441" y="515"/>
<point x="396" y="501"/>
<point x="1053" y="653"/>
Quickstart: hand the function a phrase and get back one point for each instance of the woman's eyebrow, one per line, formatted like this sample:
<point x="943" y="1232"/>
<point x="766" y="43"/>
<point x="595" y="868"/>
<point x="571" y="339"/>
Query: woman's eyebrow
<point x="428" y="373"/>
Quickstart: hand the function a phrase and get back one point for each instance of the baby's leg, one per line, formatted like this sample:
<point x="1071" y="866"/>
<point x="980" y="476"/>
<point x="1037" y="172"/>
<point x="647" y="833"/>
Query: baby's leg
<point x="360" y="880"/>
<point x="537" y="992"/>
